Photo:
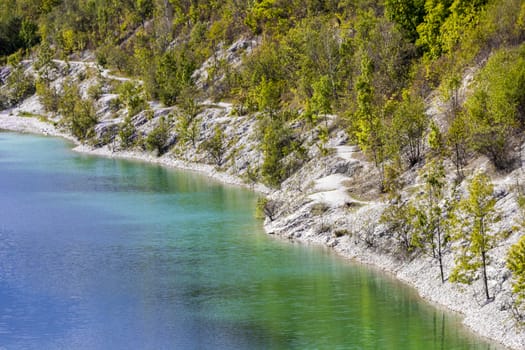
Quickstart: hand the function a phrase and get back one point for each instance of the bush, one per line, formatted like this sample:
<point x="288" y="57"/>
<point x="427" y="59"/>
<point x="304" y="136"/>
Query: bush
<point x="497" y="106"/>
<point x="19" y="86"/>
<point x="127" y="133"/>
<point x="133" y="97"/>
<point x="157" y="139"/>
<point x="215" y="146"/>
<point x="266" y="208"/>
<point x="48" y="96"/>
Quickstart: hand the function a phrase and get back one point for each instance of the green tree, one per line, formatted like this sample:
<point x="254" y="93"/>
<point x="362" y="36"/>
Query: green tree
<point x="497" y="106"/>
<point x="409" y="125"/>
<point x="429" y="30"/>
<point x="157" y="139"/>
<point x="19" y="85"/>
<point x="78" y="115"/>
<point x="516" y="264"/>
<point x="215" y="146"/>
<point x="431" y="214"/>
<point x="475" y="236"/>
<point x="408" y="14"/>
<point x="83" y="120"/>
<point x="133" y="97"/>
<point x="436" y="141"/>
<point x="366" y="122"/>
<point x="401" y="218"/>
<point x="47" y="95"/>
<point x="127" y="133"/>
<point x="458" y="140"/>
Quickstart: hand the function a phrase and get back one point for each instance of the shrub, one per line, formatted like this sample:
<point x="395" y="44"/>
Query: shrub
<point x="157" y="139"/>
<point x="215" y="146"/>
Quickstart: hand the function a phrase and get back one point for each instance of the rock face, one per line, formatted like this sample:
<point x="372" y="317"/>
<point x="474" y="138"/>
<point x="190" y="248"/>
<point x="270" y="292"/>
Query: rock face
<point x="333" y="199"/>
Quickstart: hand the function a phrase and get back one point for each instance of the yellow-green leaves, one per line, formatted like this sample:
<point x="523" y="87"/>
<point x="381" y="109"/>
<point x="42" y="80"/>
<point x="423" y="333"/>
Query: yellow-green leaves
<point x="496" y="107"/>
<point x="475" y="235"/>
<point x="516" y="264"/>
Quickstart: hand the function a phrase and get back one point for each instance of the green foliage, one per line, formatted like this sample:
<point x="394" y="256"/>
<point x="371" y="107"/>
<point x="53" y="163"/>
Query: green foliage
<point x="516" y="264"/>
<point x="497" y="106"/>
<point x="215" y="146"/>
<point x="432" y="214"/>
<point x="400" y="217"/>
<point x="173" y="74"/>
<point x="277" y="144"/>
<point x="157" y="139"/>
<point x="188" y="124"/>
<point x="133" y="98"/>
<point x="48" y="96"/>
<point x="367" y="125"/>
<point x="458" y="136"/>
<point x="78" y="115"/>
<point x="436" y="141"/>
<point x="83" y="120"/>
<point x="408" y="14"/>
<point x="475" y="233"/>
<point x="409" y="125"/>
<point x="19" y="86"/>
<point x="127" y="133"/>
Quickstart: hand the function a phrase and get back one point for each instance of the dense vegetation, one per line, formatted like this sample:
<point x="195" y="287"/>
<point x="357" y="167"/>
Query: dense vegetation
<point x="371" y="63"/>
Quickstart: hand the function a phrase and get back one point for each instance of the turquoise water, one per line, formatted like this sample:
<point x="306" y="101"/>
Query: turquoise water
<point x="110" y="254"/>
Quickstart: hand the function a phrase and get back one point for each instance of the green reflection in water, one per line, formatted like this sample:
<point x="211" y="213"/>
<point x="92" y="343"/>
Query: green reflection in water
<point x="149" y="257"/>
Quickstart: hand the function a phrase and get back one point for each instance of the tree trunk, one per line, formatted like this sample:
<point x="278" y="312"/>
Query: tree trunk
<point x="484" y="271"/>
<point x="440" y="257"/>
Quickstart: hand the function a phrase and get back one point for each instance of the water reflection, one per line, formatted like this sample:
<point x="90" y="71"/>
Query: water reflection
<point x="100" y="253"/>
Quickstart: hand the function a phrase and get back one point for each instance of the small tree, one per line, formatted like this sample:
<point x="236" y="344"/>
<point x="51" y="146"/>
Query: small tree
<point x="475" y="236"/>
<point x="84" y="120"/>
<point x="400" y="217"/>
<point x="47" y="95"/>
<point x="458" y="140"/>
<point x="158" y="137"/>
<point x="133" y="97"/>
<point x="431" y="215"/>
<point x="215" y="146"/>
<point x="127" y="133"/>
<point x="409" y="124"/>
<point x="516" y="264"/>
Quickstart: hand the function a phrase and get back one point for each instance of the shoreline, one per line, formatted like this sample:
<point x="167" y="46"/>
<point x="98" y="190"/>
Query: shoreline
<point x="31" y="125"/>
<point x="418" y="274"/>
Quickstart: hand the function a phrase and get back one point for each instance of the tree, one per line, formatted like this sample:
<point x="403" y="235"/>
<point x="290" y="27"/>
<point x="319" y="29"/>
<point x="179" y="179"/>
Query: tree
<point x="408" y="14"/>
<point x="475" y="235"/>
<point x="85" y="119"/>
<point x="47" y="95"/>
<point x="158" y="137"/>
<point x="436" y="141"/>
<point x="127" y="133"/>
<point x="20" y="85"/>
<point x="215" y="146"/>
<point x="367" y="125"/>
<point x="133" y="97"/>
<point x="431" y="222"/>
<point x="400" y="217"/>
<point x="409" y="125"/>
<point x="430" y="29"/>
<point x="458" y="140"/>
<point x="516" y="264"/>
<point x="496" y="108"/>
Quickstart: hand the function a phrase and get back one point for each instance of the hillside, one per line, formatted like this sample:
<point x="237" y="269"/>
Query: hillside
<point x="390" y="131"/>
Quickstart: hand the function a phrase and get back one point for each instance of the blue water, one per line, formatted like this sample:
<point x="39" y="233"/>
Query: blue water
<point x="109" y="254"/>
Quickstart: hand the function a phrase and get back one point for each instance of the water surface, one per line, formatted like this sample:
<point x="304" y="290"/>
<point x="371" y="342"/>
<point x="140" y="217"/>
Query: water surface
<point x="110" y="254"/>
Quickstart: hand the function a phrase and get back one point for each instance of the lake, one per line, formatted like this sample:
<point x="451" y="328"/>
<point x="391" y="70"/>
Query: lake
<point x="99" y="253"/>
